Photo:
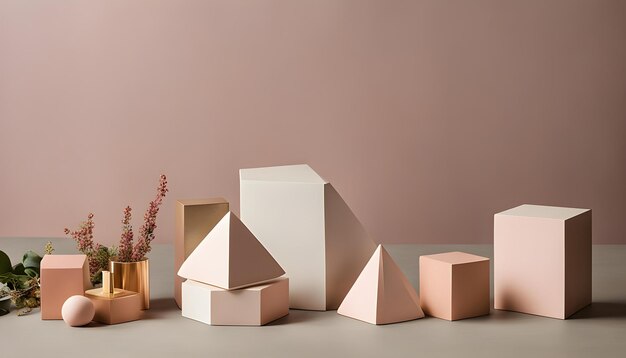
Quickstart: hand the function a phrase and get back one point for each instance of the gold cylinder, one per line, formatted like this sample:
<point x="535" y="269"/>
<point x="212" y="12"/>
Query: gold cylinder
<point x="133" y="276"/>
<point x="107" y="282"/>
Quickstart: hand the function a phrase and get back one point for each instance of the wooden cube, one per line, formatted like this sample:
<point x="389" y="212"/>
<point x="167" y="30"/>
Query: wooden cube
<point x="251" y="306"/>
<point x="542" y="260"/>
<point x="454" y="285"/>
<point x="62" y="276"/>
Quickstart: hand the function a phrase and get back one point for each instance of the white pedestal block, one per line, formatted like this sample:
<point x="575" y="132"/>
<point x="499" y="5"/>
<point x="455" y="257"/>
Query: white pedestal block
<point x="252" y="306"/>
<point x="306" y="225"/>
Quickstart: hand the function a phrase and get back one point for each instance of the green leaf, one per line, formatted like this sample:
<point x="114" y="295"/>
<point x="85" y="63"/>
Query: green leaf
<point x="31" y="259"/>
<point x="31" y="272"/>
<point x="5" y="263"/>
<point x="15" y="282"/>
<point x="18" y="269"/>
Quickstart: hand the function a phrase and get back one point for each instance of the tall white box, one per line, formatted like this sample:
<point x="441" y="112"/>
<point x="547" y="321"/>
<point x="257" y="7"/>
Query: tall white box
<point x="306" y="225"/>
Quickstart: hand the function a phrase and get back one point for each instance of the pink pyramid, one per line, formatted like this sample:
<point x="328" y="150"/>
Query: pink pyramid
<point x="230" y="257"/>
<point x="381" y="293"/>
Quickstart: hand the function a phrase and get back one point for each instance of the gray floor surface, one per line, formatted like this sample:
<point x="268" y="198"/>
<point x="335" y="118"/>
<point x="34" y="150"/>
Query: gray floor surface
<point x="597" y="331"/>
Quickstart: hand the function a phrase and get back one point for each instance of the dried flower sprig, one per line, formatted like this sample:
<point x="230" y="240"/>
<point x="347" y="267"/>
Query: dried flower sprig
<point x="84" y="235"/>
<point x="48" y="249"/>
<point x="125" y="251"/>
<point x="146" y="232"/>
<point x="97" y="255"/>
<point x="84" y="241"/>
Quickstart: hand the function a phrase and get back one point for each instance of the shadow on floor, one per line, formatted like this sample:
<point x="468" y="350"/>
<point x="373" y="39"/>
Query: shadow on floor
<point x="299" y="316"/>
<point x="602" y="310"/>
<point x="160" y="307"/>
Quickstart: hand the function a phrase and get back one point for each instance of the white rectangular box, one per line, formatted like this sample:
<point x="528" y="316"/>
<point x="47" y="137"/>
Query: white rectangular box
<point x="306" y="225"/>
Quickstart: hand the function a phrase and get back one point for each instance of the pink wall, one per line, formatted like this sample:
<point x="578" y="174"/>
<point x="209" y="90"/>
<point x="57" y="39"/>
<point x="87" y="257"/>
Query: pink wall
<point x="428" y="116"/>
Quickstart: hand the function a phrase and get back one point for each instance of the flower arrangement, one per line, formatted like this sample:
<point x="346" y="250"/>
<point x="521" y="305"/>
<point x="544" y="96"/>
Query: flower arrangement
<point x="128" y="251"/>
<point x="21" y="281"/>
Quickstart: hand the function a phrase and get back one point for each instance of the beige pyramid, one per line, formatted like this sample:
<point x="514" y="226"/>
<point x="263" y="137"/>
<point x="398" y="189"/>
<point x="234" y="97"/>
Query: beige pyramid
<point x="381" y="294"/>
<point x="230" y="257"/>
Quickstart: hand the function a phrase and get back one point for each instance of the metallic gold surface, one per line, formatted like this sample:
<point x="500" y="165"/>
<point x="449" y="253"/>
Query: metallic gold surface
<point x="133" y="276"/>
<point x="107" y="282"/>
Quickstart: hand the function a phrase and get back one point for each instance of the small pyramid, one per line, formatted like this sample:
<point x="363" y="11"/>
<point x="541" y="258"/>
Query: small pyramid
<point x="381" y="293"/>
<point x="230" y="257"/>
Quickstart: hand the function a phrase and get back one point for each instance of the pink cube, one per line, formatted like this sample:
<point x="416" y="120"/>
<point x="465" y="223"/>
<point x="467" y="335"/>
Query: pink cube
<point x="62" y="276"/>
<point x="454" y="285"/>
<point x="542" y="260"/>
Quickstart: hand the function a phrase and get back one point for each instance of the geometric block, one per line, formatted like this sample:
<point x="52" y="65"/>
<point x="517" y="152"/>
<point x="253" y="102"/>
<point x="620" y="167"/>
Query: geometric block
<point x="454" y="285"/>
<point x="194" y="219"/>
<point x="62" y="276"/>
<point x="542" y="260"/>
<point x="230" y="257"/>
<point x="306" y="225"/>
<point x="251" y="306"/>
<point x="114" y="305"/>
<point x="381" y="294"/>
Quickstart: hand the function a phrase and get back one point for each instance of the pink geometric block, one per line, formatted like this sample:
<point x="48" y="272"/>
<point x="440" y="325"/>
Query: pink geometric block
<point x="542" y="260"/>
<point x="230" y="257"/>
<point x="454" y="285"/>
<point x="381" y="294"/>
<point x="251" y="306"/>
<point x="62" y="276"/>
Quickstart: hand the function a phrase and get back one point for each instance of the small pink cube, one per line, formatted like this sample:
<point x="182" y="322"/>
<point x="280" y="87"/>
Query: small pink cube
<point x="454" y="285"/>
<point x="62" y="276"/>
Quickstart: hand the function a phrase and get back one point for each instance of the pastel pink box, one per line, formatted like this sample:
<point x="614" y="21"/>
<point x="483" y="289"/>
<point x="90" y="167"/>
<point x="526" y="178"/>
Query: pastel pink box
<point x="454" y="285"/>
<point x="542" y="260"/>
<point x="250" y="306"/>
<point x="62" y="276"/>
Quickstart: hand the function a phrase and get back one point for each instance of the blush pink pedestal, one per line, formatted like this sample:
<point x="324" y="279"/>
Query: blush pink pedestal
<point x="62" y="276"/>
<point x="252" y="306"/>
<point x="454" y="285"/>
<point x="542" y="260"/>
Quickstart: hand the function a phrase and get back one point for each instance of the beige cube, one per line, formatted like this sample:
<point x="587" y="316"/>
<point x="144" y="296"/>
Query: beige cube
<point x="454" y="285"/>
<point x="195" y="218"/>
<point x="542" y="260"/>
<point x="62" y="276"/>
<point x="252" y="306"/>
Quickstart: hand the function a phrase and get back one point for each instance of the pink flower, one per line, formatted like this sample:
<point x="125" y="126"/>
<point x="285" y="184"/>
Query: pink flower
<point x="146" y="232"/>
<point x="125" y="251"/>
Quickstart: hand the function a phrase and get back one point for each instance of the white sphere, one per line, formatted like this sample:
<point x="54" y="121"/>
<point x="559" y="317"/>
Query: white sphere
<point x="78" y="311"/>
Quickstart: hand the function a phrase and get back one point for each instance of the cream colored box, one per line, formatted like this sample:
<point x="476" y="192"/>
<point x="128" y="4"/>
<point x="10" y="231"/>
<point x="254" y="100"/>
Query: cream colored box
<point x="252" y="306"/>
<point x="542" y="260"/>
<point x="306" y="225"/>
<point x="454" y="285"/>
<point x="195" y="218"/>
<point x="62" y="276"/>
